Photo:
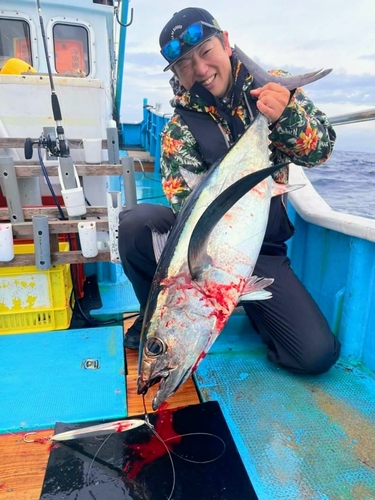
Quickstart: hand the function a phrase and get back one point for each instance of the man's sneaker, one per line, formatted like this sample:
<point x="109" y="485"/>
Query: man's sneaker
<point x="133" y="335"/>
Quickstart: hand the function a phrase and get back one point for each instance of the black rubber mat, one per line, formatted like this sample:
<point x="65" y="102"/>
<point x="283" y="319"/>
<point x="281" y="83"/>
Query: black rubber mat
<point x="91" y="300"/>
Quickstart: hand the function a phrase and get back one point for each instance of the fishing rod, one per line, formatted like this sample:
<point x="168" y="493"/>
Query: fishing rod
<point x="57" y="146"/>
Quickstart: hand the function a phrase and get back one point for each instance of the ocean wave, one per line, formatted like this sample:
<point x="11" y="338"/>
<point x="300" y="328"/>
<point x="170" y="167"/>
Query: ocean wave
<point x="347" y="182"/>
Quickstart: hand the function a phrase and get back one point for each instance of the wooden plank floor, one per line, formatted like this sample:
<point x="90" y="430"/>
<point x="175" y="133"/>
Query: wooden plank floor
<point x="22" y="465"/>
<point x="186" y="395"/>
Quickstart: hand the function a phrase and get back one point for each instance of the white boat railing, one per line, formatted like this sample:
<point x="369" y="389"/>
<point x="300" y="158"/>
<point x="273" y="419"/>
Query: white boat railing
<point x="312" y="208"/>
<point x="360" y="116"/>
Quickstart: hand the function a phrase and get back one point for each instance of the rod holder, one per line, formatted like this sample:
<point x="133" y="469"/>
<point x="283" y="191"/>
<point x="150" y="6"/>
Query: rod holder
<point x="112" y="144"/>
<point x="127" y="163"/>
<point x="41" y="242"/>
<point x="88" y="238"/>
<point x="6" y="243"/>
<point x="9" y="186"/>
<point x="114" y="208"/>
<point x="71" y="190"/>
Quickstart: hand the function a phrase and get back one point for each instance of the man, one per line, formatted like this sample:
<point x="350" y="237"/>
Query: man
<point x="214" y="104"/>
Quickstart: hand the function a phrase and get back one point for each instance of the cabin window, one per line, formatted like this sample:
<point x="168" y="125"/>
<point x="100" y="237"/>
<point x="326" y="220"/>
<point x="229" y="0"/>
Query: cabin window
<point x="104" y="2"/>
<point x="71" y="49"/>
<point x="14" y="40"/>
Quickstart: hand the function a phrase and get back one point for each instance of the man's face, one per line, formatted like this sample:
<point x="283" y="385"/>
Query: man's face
<point x="208" y="64"/>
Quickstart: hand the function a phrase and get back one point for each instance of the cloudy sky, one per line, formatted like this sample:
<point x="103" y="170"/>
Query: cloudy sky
<point x="295" y="36"/>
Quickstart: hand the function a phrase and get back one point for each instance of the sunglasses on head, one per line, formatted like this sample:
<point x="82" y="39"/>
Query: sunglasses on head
<point x="191" y="36"/>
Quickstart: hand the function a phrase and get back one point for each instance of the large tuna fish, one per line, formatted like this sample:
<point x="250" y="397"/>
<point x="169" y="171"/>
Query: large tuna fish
<point x="206" y="266"/>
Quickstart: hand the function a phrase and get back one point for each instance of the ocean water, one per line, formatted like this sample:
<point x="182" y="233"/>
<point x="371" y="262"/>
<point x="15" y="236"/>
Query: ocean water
<point x="347" y="182"/>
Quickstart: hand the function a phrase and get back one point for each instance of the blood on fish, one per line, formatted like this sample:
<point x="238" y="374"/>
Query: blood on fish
<point x="147" y="453"/>
<point x="226" y="296"/>
<point x="199" y="359"/>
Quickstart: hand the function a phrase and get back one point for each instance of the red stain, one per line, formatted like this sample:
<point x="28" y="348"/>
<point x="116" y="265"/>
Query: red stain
<point x="226" y="296"/>
<point x="2" y="486"/>
<point x="221" y="298"/>
<point x="123" y="426"/>
<point x="162" y="407"/>
<point x="144" y="454"/>
<point x="53" y="446"/>
<point x="199" y="359"/>
<point x="42" y="440"/>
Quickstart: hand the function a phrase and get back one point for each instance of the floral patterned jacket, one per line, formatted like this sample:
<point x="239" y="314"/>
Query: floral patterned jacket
<point x="302" y="135"/>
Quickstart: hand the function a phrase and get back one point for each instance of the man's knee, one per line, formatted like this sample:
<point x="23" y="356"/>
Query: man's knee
<point x="321" y="357"/>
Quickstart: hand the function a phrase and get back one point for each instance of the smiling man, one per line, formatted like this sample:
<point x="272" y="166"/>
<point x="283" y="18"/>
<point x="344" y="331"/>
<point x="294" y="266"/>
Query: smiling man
<point x="215" y="102"/>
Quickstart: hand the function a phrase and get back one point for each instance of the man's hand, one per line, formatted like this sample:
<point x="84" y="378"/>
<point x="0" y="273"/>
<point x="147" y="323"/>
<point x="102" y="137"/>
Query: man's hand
<point x="272" y="100"/>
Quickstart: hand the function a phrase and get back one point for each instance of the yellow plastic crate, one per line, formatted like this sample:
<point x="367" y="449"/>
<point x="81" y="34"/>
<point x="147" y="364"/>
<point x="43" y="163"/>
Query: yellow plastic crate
<point x="33" y="300"/>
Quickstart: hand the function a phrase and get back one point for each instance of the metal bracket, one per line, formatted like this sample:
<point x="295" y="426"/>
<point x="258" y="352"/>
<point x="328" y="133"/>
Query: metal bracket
<point x="129" y="181"/>
<point x="9" y="187"/>
<point x="41" y="242"/>
<point x="68" y="173"/>
<point x="113" y="147"/>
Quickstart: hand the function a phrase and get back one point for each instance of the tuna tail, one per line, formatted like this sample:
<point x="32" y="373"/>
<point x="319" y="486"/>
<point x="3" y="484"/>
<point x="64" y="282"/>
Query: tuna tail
<point x="261" y="77"/>
<point x="197" y="251"/>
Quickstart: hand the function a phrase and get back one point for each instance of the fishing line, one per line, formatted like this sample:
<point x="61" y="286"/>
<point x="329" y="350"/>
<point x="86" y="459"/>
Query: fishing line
<point x="94" y="457"/>
<point x="199" y="434"/>
<point x="169" y="452"/>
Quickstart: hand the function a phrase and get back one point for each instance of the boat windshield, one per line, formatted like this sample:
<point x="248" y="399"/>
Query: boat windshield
<point x="71" y="49"/>
<point x="14" y="40"/>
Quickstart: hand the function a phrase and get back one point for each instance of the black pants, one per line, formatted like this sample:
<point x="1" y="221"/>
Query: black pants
<point x="290" y="323"/>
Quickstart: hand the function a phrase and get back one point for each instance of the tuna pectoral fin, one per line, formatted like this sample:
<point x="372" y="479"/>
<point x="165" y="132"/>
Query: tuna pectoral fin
<point x="261" y="77"/>
<point x="158" y="243"/>
<point x="279" y="189"/>
<point x="255" y="289"/>
<point x="197" y="251"/>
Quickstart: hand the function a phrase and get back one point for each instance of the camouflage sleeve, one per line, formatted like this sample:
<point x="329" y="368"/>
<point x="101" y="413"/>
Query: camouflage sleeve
<point x="179" y="150"/>
<point x="303" y="133"/>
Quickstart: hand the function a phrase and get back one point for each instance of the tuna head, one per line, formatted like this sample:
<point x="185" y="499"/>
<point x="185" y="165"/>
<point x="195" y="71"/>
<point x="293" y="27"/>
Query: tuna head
<point x="174" y="337"/>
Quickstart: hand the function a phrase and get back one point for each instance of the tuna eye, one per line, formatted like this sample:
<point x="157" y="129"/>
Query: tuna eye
<point x="154" y="347"/>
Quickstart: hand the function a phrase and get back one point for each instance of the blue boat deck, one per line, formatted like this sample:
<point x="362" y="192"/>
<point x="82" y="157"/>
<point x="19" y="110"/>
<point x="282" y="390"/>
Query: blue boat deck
<point x="300" y="437"/>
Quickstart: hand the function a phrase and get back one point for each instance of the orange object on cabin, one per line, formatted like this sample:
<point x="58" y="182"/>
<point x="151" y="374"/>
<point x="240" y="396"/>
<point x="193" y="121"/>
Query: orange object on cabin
<point x="22" y="49"/>
<point x="69" y="56"/>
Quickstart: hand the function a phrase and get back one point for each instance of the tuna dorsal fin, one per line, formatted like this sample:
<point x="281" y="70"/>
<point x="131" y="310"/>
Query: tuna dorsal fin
<point x="261" y="77"/>
<point x="197" y="251"/>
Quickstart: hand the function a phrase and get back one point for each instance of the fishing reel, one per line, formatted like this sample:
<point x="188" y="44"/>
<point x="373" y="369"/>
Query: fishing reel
<point x="54" y="146"/>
